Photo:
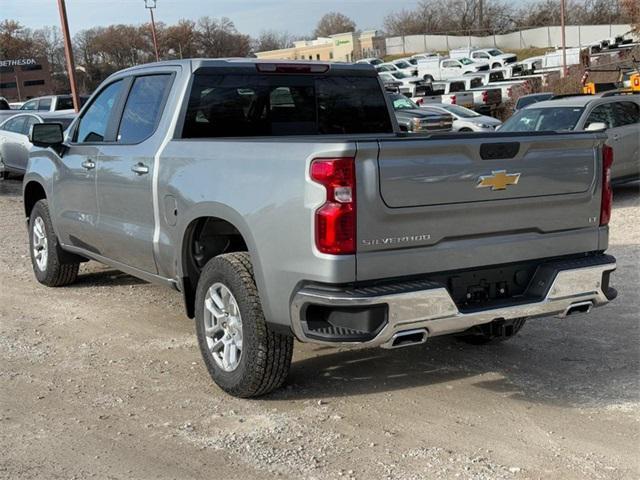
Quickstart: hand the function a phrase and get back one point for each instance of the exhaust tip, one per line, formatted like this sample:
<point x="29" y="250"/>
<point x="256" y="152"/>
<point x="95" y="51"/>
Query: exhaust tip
<point x="582" y="307"/>
<point x="407" y="338"/>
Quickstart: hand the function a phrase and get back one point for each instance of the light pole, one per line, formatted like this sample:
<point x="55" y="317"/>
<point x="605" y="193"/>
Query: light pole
<point x="68" y="52"/>
<point x="151" y="5"/>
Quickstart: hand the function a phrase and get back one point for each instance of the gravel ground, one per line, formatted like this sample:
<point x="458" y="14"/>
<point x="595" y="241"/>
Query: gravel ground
<point x="104" y="379"/>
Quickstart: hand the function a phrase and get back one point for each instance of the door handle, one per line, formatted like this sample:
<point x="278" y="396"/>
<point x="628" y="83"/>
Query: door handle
<point x="140" y="168"/>
<point x="88" y="164"/>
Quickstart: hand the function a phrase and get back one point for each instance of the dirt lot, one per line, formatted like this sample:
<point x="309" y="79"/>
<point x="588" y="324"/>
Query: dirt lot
<point x="104" y="380"/>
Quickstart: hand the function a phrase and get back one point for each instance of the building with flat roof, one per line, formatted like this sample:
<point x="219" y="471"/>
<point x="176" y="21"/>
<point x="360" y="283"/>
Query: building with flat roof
<point x="341" y="47"/>
<point x="24" y="78"/>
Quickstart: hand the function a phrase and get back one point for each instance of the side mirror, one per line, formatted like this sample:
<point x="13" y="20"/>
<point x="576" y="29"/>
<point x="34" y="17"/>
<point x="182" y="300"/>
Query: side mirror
<point x="596" y="127"/>
<point x="46" y="135"/>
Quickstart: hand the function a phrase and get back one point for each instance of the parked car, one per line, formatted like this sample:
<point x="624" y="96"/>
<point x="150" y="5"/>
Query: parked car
<point x="4" y="104"/>
<point x="314" y="217"/>
<point x="412" y="118"/>
<point x="404" y="82"/>
<point x="617" y="114"/>
<point x="495" y="57"/>
<point x="14" y="139"/>
<point x="464" y="119"/>
<point x="406" y="66"/>
<point x="437" y="68"/>
<point x="52" y="103"/>
<point x="371" y="61"/>
<point x="526" y="100"/>
<point x="421" y="56"/>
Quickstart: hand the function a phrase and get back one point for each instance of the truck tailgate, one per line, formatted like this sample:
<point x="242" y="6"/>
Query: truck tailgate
<point x="453" y="202"/>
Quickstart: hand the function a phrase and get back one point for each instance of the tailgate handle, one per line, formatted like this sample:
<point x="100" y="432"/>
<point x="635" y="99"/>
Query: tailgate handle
<point x="499" y="151"/>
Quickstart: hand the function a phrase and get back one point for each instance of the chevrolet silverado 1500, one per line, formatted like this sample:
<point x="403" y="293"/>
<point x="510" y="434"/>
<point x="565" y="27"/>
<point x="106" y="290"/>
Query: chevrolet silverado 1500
<point x="282" y="200"/>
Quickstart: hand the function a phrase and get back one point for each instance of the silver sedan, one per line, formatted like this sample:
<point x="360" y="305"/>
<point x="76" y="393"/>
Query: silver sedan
<point x="14" y="139"/>
<point x="465" y="120"/>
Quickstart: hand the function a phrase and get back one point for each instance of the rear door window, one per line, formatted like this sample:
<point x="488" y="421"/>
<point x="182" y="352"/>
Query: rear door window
<point x="625" y="113"/>
<point x="143" y="108"/>
<point x="44" y="105"/>
<point x="601" y="114"/>
<point x="273" y="105"/>
<point x="30" y="105"/>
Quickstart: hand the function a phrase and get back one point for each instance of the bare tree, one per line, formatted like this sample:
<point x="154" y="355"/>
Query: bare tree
<point x="332" y="23"/>
<point x="272" y="40"/>
<point x="179" y="40"/>
<point x="219" y="38"/>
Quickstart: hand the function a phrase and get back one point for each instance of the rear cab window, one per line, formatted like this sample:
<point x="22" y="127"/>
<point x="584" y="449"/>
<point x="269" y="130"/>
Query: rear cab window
<point x="248" y="105"/>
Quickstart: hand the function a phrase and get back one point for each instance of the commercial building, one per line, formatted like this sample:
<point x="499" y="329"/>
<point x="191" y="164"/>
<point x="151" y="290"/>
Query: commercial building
<point x="341" y="47"/>
<point x="24" y="78"/>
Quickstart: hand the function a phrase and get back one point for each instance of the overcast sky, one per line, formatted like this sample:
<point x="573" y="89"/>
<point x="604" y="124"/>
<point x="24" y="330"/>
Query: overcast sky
<point x="298" y="17"/>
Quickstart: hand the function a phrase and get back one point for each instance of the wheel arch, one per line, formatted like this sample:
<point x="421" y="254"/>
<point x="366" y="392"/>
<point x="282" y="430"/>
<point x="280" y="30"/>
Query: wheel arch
<point x="206" y="234"/>
<point x="33" y="191"/>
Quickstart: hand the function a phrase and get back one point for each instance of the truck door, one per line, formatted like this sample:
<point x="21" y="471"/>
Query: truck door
<point x="125" y="175"/>
<point x="74" y="204"/>
<point x="625" y="138"/>
<point x="451" y="68"/>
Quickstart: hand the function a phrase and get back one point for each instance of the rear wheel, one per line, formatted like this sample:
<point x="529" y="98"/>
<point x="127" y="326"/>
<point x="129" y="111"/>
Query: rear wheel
<point x="48" y="259"/>
<point x="242" y="355"/>
<point x="497" y="331"/>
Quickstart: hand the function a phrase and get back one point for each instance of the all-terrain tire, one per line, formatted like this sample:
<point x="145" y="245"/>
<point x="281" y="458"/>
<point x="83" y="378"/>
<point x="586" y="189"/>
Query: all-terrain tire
<point x="492" y="332"/>
<point x="56" y="272"/>
<point x="265" y="356"/>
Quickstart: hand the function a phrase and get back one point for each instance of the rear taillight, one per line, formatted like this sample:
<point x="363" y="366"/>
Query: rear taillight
<point x="607" y="191"/>
<point x="453" y="99"/>
<point x="485" y="97"/>
<point x="335" y="220"/>
<point x="419" y="101"/>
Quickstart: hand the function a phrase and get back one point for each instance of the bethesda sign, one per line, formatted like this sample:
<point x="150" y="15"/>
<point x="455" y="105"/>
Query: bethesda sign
<point x="18" y="62"/>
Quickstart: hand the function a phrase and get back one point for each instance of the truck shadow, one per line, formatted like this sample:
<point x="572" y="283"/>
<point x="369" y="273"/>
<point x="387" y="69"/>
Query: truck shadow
<point x="105" y="278"/>
<point x="626" y="194"/>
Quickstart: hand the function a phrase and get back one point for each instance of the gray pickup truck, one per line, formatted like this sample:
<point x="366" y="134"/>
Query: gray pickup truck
<point x="283" y="201"/>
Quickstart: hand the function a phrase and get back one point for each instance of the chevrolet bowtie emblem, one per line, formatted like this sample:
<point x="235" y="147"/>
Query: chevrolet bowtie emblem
<point x="498" y="180"/>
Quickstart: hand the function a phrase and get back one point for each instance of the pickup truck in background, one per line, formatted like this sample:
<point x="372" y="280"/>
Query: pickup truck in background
<point x="438" y="68"/>
<point x="283" y="201"/>
<point x="471" y="90"/>
<point x="448" y="92"/>
<point x="414" y="119"/>
<point x="494" y="57"/>
<point x="509" y="89"/>
<point x="404" y="82"/>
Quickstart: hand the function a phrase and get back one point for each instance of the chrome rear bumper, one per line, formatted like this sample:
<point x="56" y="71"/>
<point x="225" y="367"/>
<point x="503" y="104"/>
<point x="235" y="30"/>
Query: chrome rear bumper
<point x="433" y="309"/>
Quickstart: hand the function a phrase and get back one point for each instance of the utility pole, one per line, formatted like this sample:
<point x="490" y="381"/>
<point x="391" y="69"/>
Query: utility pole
<point x="151" y="5"/>
<point x="480" y="14"/>
<point x="68" y="53"/>
<point x="564" y="40"/>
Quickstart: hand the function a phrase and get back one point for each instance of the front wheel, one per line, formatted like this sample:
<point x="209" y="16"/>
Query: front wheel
<point x="242" y="355"/>
<point x="49" y="264"/>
